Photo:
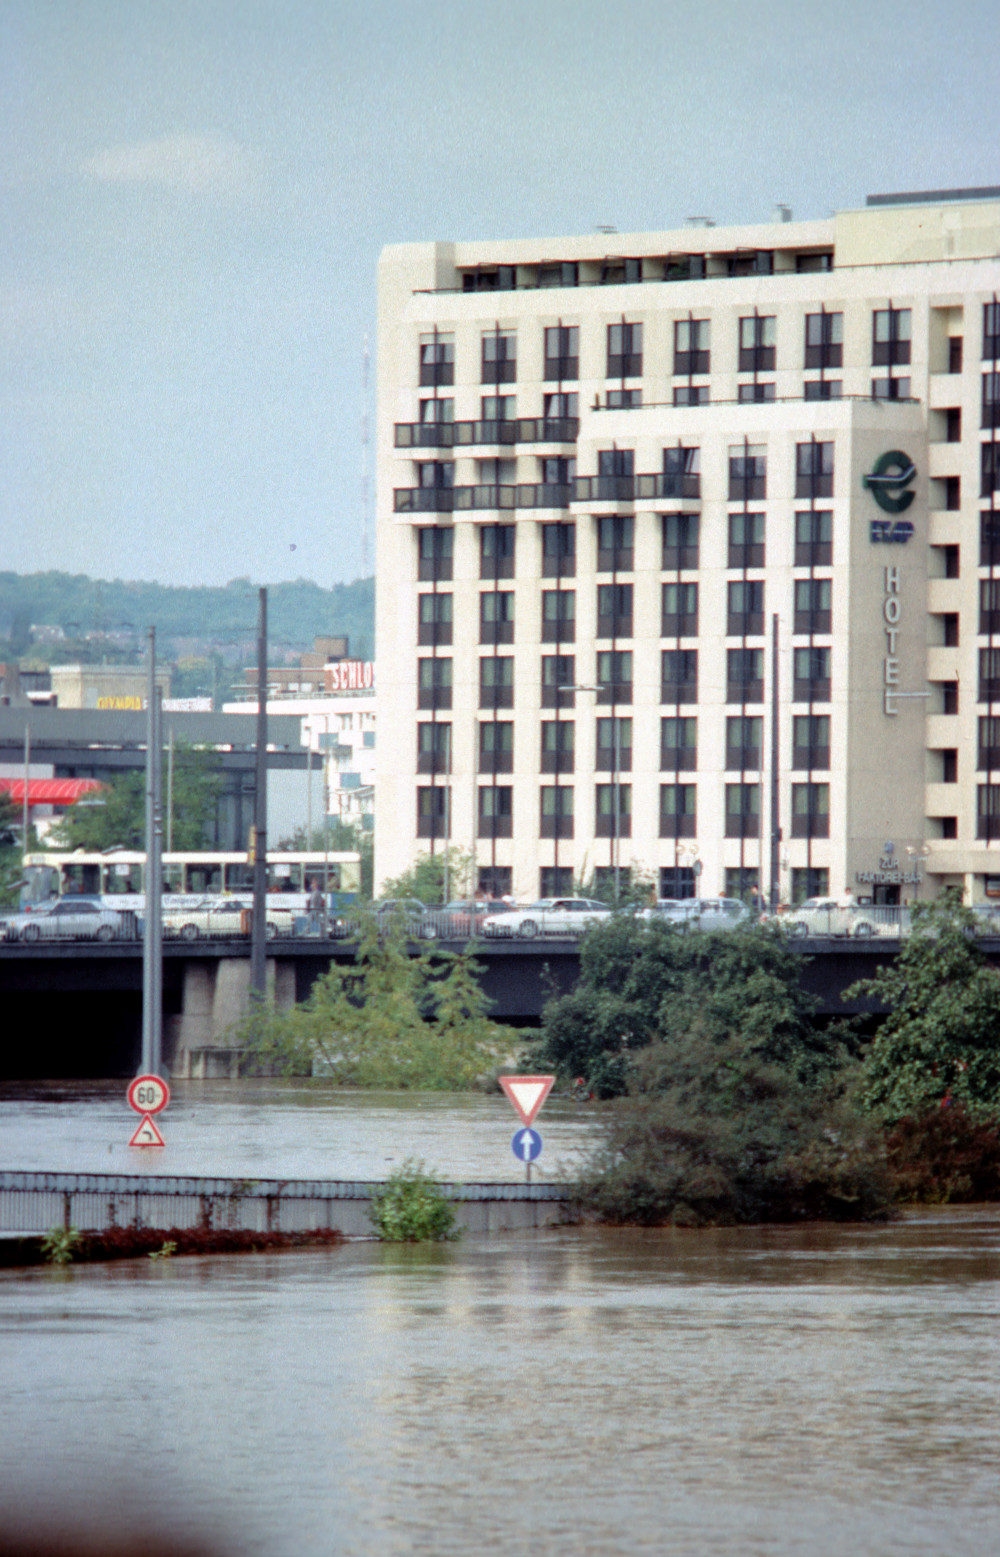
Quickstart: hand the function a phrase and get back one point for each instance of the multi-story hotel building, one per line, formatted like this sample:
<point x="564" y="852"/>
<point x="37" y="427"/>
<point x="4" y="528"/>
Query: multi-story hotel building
<point x="689" y="554"/>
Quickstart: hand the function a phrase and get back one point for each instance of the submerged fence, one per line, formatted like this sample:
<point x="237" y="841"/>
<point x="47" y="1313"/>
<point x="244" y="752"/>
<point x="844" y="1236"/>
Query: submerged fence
<point x="32" y="1203"/>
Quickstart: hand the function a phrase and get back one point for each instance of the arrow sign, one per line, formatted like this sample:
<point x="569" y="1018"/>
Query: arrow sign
<point x="526" y="1095"/>
<point x="147" y="1135"/>
<point x="526" y="1145"/>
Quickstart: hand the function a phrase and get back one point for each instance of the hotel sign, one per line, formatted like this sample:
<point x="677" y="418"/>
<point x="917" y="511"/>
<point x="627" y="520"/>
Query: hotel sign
<point x="890" y="482"/>
<point x="350" y="676"/>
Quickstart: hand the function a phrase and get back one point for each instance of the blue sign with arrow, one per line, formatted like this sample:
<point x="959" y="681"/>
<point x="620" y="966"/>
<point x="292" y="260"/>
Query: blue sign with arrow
<point x="526" y="1145"/>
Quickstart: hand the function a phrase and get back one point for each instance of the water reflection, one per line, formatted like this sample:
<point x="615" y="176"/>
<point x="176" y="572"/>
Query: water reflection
<point x="586" y="1391"/>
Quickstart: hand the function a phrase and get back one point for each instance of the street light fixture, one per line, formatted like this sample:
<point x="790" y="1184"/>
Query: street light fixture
<point x="615" y="769"/>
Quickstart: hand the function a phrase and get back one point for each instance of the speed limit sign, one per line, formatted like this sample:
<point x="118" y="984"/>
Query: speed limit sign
<point x="148" y="1094"/>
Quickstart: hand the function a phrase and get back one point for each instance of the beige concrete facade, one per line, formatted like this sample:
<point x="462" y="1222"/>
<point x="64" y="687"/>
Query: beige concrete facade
<point x="708" y="501"/>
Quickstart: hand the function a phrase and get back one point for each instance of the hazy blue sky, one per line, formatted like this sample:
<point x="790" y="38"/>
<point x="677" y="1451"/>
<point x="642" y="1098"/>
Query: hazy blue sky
<point x="193" y="196"/>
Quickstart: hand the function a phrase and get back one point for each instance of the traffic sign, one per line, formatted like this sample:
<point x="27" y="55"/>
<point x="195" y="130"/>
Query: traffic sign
<point x="526" y="1094"/>
<point x="147" y="1134"/>
<point x="148" y="1094"/>
<point x="526" y="1145"/>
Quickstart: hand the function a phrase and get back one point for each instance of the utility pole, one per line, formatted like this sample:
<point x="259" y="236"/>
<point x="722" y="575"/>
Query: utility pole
<point x="775" y="752"/>
<point x="258" y="937"/>
<point x="152" y="945"/>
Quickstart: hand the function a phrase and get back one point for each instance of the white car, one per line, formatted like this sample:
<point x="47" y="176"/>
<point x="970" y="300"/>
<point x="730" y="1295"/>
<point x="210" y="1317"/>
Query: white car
<point x="69" y="918"/>
<point x="828" y="916"/>
<point x="698" y="913"/>
<point x="223" y="916"/>
<point x="549" y="916"/>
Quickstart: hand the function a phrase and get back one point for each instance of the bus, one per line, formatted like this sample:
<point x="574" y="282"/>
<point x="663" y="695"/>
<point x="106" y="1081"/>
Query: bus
<point x="118" y="876"/>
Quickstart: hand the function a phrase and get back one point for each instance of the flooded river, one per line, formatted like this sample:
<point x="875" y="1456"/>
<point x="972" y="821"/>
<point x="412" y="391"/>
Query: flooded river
<point x="740" y="1393"/>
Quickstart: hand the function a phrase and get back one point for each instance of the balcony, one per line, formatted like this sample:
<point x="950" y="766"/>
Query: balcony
<point x="627" y="489"/>
<point x="458" y="435"/>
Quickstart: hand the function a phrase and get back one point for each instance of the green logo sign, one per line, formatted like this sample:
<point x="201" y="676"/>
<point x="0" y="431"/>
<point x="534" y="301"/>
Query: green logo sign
<point x="888" y="482"/>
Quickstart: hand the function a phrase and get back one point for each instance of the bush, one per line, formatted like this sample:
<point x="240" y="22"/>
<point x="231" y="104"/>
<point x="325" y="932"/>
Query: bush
<point x="412" y="1208"/>
<point x="944" y="1156"/>
<point x="60" y="1244"/>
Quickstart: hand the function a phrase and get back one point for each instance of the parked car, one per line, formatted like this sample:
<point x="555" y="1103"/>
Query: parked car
<point x="828" y="916"/>
<point x="223" y="916"/>
<point x="409" y="913"/>
<point x="549" y="916"/>
<point x="463" y="918"/>
<point x="70" y="918"/>
<point x="699" y="913"/>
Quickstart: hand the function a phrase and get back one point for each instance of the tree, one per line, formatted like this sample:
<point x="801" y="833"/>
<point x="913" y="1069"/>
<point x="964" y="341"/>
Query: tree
<point x="642" y="984"/>
<point x="10" y="850"/>
<point x="341" y="835"/>
<point x="425" y="878"/>
<point x="386" y="1020"/>
<point x="115" y="818"/>
<point x="938" y="1044"/>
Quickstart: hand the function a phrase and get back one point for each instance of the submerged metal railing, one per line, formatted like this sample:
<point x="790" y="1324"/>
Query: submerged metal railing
<point x="97" y="1202"/>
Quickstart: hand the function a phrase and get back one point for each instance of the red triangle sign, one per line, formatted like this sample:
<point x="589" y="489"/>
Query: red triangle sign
<point x="526" y="1094"/>
<point x="147" y="1134"/>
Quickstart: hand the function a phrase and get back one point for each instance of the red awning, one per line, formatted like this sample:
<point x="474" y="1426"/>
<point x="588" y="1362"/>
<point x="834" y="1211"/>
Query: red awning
<point x="49" y="792"/>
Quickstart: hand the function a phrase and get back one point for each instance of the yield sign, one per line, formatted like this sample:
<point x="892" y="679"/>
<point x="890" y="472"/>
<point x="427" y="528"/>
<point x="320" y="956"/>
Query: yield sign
<point x="527" y="1094"/>
<point x="147" y="1134"/>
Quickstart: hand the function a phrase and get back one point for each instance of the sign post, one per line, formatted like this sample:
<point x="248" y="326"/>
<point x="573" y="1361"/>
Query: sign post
<point x="526" y="1094"/>
<point x="148" y="1095"/>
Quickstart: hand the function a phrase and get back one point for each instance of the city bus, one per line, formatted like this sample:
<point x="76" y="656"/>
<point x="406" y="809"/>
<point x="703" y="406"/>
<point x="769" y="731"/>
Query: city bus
<point x="118" y="876"/>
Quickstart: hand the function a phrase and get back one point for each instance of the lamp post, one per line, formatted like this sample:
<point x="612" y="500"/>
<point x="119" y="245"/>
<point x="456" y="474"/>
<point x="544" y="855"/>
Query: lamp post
<point x="918" y="854"/>
<point x="615" y="770"/>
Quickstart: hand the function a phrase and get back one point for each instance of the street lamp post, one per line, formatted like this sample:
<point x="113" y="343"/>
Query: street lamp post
<point x="615" y="785"/>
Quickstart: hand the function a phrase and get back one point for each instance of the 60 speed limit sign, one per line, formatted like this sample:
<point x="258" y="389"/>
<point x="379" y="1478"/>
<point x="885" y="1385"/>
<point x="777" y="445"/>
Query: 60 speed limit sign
<point x="148" y="1094"/>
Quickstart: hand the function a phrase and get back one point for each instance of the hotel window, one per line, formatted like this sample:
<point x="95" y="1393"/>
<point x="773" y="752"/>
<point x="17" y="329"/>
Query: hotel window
<point x="433" y="748"/>
<point x="615" y="475"/>
<point x="890" y="389"/>
<point x="435" y="621"/>
<point x="989" y="676"/>
<point x="681" y="472"/>
<point x="558" y="550"/>
<point x="742" y="810"/>
<point x="613" y="811"/>
<point x="678" y="744"/>
<point x="810" y="881"/>
<point x="747" y="472"/>
<point x="496" y="811"/>
<point x="756" y="394"/>
<point x="561" y="407"/>
<point x="496" y="551"/>
<point x="823" y="389"/>
<point x="624" y="350"/>
<point x="496" y="616"/>
<point x="824" y="340"/>
<point x="679" y="615"/>
<point x="680" y="541"/>
<point x="684" y="267"/>
<point x="555" y="880"/>
<point x="615" y="535"/>
<point x="621" y="272"/>
<point x="624" y="399"/>
<point x="810" y="810"/>
<point x="433" y="808"/>
<point x="677" y="881"/>
<point x="558" y="615"/>
<point x="558" y="741"/>
<point x="988" y="752"/>
<point x="811" y="675"/>
<point x="744" y="733"/>
<point x="746" y="540"/>
<point x="562" y="273"/>
<point x="691" y="346"/>
<point x="991" y="332"/>
<point x="814" y="469"/>
<point x="891" y="337"/>
<point x="496" y="681"/>
<point x="562" y="353"/>
<point x="990" y="469"/>
<point x="614" y="746"/>
<point x="813" y="605"/>
<point x="499" y="357"/>
<point x="497" y="408"/>
<point x="614" y="610"/>
<point x="490" y="278"/>
<point x="677" y="811"/>
<point x="988" y="812"/>
<point x="439" y="412"/>
<point x="758" y="338"/>
<point x="436" y="474"/>
<point x="989" y="539"/>
<point x="814" y="539"/>
<point x="744" y="675"/>
<point x="989" y="605"/>
<point x="437" y="552"/>
<point x="556" y="819"/>
<point x="558" y="674"/>
<point x="557" y="472"/>
<point x="614" y="676"/>
<point x="679" y="676"/>
<point x="496" y="746"/>
<point x="437" y="360"/>
<point x="434" y="683"/>
<point x="991" y="401"/>
<point x="955" y="353"/>
<point x="690" y="394"/>
<point x="745" y="608"/>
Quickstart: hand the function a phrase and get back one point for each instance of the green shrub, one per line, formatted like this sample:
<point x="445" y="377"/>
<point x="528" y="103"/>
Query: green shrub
<point x="60" y="1244"/>
<point x="944" y="1156"/>
<point x="412" y="1208"/>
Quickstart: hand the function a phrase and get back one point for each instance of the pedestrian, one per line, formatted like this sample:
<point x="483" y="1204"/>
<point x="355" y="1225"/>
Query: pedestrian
<point x="316" y="905"/>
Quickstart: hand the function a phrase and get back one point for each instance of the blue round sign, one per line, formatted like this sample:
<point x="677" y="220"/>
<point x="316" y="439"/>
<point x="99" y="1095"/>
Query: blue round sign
<point x="526" y="1145"/>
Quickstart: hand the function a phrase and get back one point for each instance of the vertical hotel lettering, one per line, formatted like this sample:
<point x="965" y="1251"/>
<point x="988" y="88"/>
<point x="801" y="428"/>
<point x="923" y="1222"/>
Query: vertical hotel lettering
<point x="892" y="609"/>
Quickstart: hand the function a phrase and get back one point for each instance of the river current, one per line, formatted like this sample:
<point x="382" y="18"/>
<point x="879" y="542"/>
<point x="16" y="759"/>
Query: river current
<point x="734" y="1393"/>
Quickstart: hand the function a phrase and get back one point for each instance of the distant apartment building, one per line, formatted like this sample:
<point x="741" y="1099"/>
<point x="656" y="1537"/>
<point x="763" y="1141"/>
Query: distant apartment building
<point x="689" y="554"/>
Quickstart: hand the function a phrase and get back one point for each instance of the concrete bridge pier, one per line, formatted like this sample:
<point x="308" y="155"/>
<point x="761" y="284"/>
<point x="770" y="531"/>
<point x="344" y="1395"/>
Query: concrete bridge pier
<point x="215" y="997"/>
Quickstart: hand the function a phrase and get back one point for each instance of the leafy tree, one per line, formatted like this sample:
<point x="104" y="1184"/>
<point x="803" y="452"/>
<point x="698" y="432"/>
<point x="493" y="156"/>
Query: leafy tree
<point x="387" y="1020"/>
<point x="425" y="878"/>
<point x="938" y="1044"/>
<point x="636" y="887"/>
<point x="642" y="984"/>
<point x="10" y="850"/>
<point x="116" y="817"/>
<point x="341" y="835"/>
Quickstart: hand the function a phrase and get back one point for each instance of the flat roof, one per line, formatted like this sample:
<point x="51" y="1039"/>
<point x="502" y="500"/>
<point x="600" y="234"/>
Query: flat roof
<point x="937" y="196"/>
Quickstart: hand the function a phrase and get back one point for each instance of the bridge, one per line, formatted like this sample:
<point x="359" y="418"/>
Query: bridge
<point x="74" y="1009"/>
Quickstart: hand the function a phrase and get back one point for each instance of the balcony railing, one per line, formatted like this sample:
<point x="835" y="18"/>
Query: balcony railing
<point x="447" y="500"/>
<point x="457" y="435"/>
<point x="627" y="489"/>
